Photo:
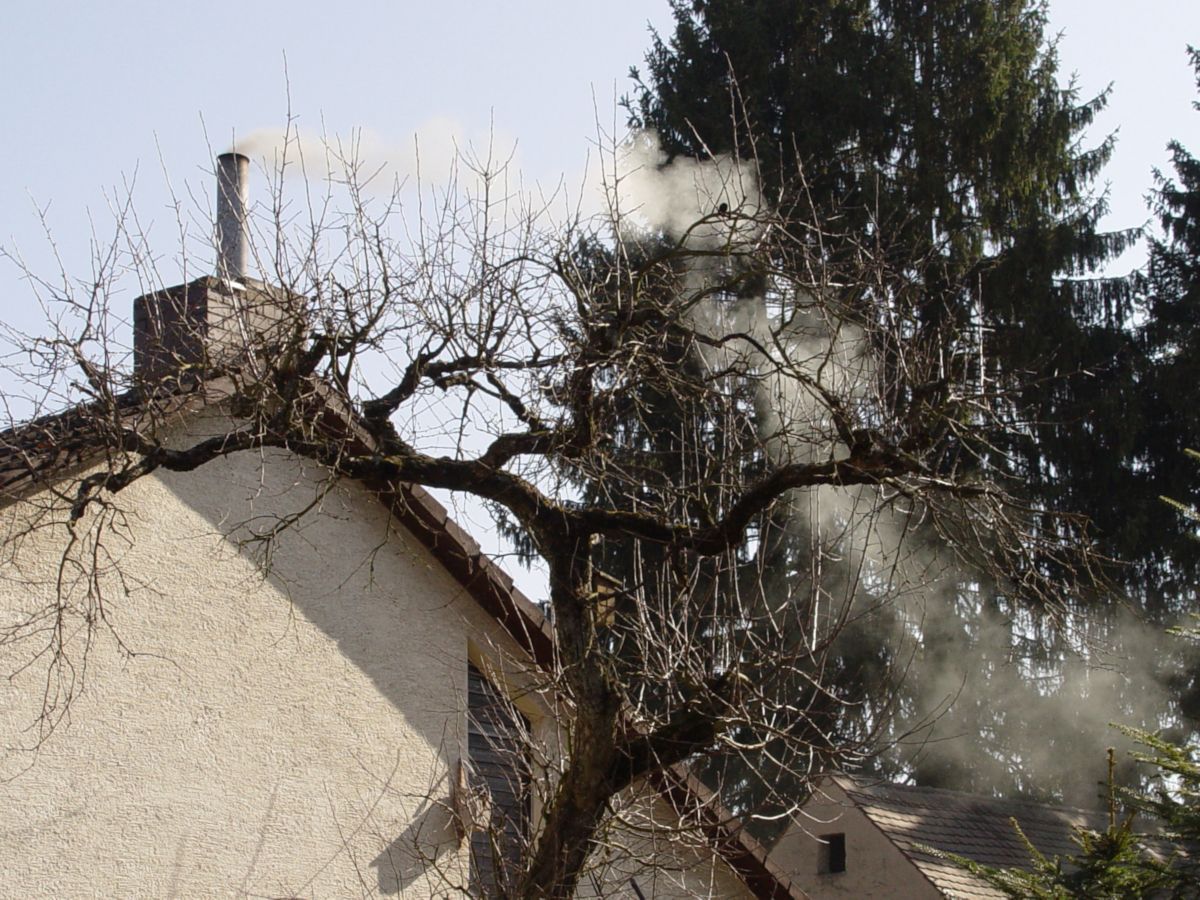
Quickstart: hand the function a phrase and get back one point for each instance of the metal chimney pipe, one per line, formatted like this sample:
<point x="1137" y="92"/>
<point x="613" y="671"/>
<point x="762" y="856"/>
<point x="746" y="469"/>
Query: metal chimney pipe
<point x="232" y="197"/>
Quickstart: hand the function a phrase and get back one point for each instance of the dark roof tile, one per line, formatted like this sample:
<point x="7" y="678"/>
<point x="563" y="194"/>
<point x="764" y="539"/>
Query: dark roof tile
<point x="979" y="828"/>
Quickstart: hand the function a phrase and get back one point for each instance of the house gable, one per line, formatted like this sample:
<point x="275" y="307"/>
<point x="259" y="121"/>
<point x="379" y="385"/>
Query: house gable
<point x="283" y="735"/>
<point x="293" y="734"/>
<point x="891" y="832"/>
<point x="874" y="866"/>
<point x="979" y="828"/>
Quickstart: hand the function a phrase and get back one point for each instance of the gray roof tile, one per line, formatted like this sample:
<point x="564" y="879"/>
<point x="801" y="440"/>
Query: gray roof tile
<point x="979" y="828"/>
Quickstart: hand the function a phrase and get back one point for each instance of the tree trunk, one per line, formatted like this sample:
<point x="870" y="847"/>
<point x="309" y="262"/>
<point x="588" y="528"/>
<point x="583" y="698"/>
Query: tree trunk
<point x="574" y="812"/>
<point x="572" y="816"/>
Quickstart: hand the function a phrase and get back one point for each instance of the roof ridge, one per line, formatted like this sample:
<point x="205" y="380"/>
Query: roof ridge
<point x="871" y="787"/>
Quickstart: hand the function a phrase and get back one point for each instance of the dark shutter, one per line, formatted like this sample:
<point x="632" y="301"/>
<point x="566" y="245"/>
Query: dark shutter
<point x="496" y="735"/>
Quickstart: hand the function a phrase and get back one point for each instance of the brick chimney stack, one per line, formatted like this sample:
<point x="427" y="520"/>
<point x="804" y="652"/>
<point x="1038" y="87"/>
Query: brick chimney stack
<point x="184" y="332"/>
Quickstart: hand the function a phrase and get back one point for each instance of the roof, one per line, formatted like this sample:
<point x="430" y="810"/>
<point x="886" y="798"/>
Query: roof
<point x="39" y="452"/>
<point x="727" y="834"/>
<point x="976" y="827"/>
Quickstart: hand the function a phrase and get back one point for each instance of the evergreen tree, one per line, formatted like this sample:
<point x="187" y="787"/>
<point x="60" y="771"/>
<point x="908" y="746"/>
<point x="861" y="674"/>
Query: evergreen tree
<point x="1173" y="804"/>
<point x="1171" y="348"/>
<point x="938" y="133"/>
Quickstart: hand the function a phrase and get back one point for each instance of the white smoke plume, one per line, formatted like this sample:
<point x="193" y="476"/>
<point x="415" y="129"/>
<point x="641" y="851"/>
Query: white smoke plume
<point x="797" y="349"/>
<point x="1052" y="716"/>
<point x="429" y="154"/>
<point x="702" y="203"/>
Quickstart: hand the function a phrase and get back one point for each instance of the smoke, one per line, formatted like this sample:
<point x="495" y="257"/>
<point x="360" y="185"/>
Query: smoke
<point x="1003" y="678"/>
<point x="996" y="698"/>
<point x="799" y="351"/>
<point x="701" y="203"/>
<point x="430" y="155"/>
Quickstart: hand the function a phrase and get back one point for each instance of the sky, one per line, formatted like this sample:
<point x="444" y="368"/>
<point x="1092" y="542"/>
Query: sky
<point x="101" y="94"/>
<point x="102" y="98"/>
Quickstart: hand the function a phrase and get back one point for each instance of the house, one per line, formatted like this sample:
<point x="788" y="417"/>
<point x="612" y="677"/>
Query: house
<point x="293" y="734"/>
<point x="200" y="702"/>
<point x="859" y="838"/>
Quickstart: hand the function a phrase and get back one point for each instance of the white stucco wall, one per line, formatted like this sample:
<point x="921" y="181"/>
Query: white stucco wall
<point x="874" y="866"/>
<point x="282" y="736"/>
<point x="271" y="737"/>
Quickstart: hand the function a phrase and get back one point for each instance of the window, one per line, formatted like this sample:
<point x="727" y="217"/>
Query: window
<point x="833" y="854"/>
<point x="496" y="742"/>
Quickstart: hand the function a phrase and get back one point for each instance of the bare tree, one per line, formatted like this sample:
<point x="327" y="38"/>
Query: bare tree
<point x="478" y="348"/>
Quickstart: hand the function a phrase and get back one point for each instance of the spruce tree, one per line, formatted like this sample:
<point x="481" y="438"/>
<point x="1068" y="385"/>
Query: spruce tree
<point x="938" y="133"/>
<point x="941" y="130"/>
<point x="1170" y="341"/>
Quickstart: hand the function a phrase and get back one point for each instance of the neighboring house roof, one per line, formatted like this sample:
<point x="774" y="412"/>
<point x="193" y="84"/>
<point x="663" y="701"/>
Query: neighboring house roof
<point x="979" y="828"/>
<point x="36" y="454"/>
<point x="690" y="796"/>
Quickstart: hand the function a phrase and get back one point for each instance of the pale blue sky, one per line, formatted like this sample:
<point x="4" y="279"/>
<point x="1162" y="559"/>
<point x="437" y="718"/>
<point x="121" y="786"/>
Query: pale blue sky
<point x="99" y="91"/>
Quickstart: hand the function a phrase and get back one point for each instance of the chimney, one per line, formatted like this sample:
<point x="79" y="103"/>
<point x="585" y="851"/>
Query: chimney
<point x="232" y="239"/>
<point x="183" y="333"/>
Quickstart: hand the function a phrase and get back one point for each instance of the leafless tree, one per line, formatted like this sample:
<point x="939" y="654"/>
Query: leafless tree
<point x="477" y="347"/>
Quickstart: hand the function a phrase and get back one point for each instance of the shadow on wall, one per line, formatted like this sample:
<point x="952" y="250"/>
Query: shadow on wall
<point x="429" y="836"/>
<point x="351" y="571"/>
<point x="394" y="614"/>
